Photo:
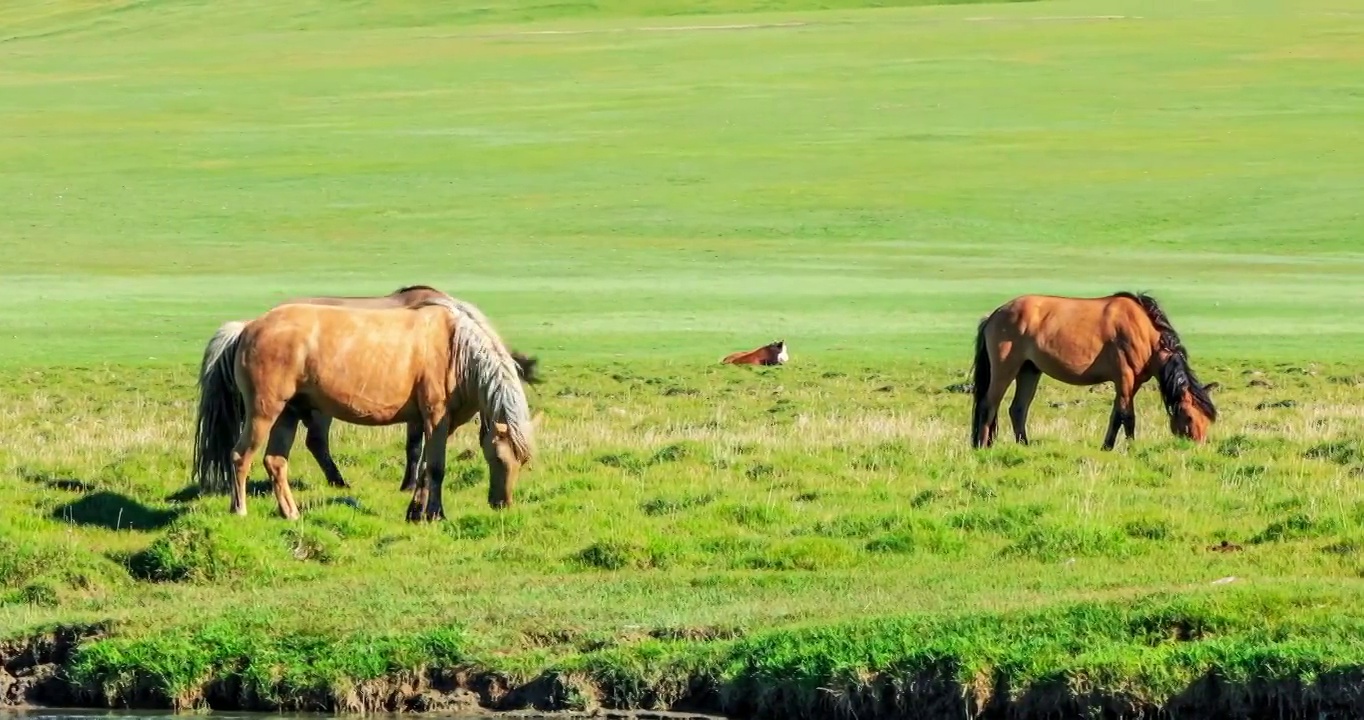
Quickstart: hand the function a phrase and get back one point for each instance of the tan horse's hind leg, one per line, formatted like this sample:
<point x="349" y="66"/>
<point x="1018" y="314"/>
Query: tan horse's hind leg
<point x="254" y="436"/>
<point x="262" y="412"/>
<point x="277" y="463"/>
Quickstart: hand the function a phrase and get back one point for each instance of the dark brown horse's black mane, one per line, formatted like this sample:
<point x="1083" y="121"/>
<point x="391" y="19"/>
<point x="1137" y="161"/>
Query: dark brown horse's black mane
<point x="1175" y="375"/>
<point x="410" y="288"/>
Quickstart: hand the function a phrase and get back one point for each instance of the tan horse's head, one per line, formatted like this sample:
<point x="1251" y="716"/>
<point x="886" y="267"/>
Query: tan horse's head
<point x="1187" y="402"/>
<point x="503" y="466"/>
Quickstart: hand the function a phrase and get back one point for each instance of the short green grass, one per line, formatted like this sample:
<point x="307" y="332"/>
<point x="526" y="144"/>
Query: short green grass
<point x="630" y="203"/>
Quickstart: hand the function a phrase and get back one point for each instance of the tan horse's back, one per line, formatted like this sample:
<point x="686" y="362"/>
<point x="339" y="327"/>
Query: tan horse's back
<point x="1074" y="340"/>
<point x="359" y="365"/>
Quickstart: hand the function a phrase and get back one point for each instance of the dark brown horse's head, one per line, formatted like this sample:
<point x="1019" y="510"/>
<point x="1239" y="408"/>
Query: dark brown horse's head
<point x="1187" y="401"/>
<point x="525" y="367"/>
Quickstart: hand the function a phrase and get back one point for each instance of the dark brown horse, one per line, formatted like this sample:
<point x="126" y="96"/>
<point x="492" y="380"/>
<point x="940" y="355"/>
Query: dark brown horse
<point x="436" y="365"/>
<point x="1124" y="338"/>
<point x="770" y="354"/>
<point x="318" y="424"/>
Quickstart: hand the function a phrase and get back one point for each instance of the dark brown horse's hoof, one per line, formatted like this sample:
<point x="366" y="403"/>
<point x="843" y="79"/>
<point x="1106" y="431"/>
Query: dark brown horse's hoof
<point x="435" y="516"/>
<point x="414" y="512"/>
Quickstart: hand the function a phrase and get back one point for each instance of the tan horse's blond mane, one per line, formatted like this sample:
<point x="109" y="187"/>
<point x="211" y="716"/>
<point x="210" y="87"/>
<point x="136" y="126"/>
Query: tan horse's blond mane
<point x="478" y="354"/>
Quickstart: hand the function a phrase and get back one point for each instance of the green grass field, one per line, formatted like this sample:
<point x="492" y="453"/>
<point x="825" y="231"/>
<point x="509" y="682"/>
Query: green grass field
<point x="632" y="191"/>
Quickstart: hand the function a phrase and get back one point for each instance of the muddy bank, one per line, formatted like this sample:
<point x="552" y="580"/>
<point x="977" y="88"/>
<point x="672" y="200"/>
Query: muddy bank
<point x="34" y="673"/>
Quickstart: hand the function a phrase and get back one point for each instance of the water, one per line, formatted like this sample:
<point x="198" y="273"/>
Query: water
<point x="72" y="714"/>
<point x="65" y="714"/>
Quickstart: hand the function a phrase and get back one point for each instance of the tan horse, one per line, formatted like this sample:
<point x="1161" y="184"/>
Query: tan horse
<point x="438" y="364"/>
<point x="1124" y="338"/>
<point x="318" y="424"/>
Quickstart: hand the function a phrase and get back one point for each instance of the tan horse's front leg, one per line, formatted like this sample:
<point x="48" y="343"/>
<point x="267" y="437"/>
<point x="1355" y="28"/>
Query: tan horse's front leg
<point x="413" y="454"/>
<point x="417" y="509"/>
<point x="436" y="440"/>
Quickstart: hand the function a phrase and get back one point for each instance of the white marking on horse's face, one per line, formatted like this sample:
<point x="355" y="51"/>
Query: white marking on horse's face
<point x="782" y="357"/>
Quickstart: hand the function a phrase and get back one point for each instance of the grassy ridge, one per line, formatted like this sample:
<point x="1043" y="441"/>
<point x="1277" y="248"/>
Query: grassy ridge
<point x="1128" y="656"/>
<point x="630" y="204"/>
<point x="672" y="542"/>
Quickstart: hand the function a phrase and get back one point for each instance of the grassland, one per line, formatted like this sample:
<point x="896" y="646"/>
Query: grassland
<point x="630" y="203"/>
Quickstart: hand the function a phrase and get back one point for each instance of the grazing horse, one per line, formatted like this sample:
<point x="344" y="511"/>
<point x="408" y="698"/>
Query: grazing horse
<point x="1124" y="338"/>
<point x="437" y="365"/>
<point x="769" y="354"/>
<point x="318" y="424"/>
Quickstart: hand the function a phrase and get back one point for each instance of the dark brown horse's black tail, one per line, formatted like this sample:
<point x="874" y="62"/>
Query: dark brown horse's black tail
<point x="980" y="383"/>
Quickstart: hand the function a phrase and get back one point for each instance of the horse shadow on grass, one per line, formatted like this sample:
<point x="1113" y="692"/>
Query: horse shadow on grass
<point x="114" y="511"/>
<point x="192" y="492"/>
<point x="265" y="488"/>
<point x="55" y="481"/>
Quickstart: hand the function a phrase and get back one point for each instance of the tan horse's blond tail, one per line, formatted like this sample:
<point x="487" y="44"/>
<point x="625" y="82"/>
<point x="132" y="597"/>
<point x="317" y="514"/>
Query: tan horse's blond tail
<point x="218" y="421"/>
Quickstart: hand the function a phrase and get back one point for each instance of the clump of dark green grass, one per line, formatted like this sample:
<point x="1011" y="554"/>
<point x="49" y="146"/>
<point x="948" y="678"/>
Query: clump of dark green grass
<point x="204" y="549"/>
<point x="42" y="573"/>
<point x="296" y="670"/>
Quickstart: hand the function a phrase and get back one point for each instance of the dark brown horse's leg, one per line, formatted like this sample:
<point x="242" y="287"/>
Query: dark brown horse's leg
<point x="318" y="427"/>
<point x="1129" y="422"/>
<point x="989" y="421"/>
<point x="1122" y="409"/>
<point x="277" y="462"/>
<point x="1025" y="388"/>
<point x="414" y="457"/>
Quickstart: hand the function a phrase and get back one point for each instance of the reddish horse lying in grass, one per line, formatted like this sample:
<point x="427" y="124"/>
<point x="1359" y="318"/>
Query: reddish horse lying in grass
<point x="769" y="354"/>
<point x="318" y="424"/>
<point x="437" y="364"/>
<point x="1124" y="338"/>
